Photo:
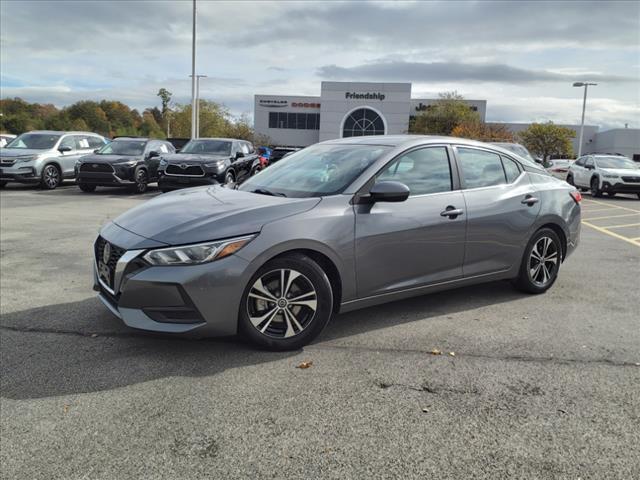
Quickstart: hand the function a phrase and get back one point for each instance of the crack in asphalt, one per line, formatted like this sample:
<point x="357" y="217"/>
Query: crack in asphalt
<point x="512" y="358"/>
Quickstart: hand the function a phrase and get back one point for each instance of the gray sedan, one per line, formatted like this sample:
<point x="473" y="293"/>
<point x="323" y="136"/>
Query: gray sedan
<point x="340" y="225"/>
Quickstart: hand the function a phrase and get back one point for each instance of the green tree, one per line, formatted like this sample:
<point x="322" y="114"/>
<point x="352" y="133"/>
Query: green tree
<point x="442" y="117"/>
<point x="483" y="132"/>
<point x="165" y="96"/>
<point x="547" y="139"/>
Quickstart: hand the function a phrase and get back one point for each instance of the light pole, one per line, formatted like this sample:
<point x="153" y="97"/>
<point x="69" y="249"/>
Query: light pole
<point x="193" y="75"/>
<point x="584" y="106"/>
<point x="197" y="109"/>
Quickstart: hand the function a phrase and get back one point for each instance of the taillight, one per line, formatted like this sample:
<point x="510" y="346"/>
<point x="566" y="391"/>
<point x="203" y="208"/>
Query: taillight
<point x="576" y="195"/>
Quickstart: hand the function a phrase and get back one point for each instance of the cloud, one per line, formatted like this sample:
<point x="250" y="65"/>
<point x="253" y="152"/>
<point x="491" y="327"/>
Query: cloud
<point x="454" y="71"/>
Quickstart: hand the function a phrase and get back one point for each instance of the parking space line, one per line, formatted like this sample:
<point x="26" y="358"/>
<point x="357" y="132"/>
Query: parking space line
<point x="613" y="216"/>
<point x="623" y="226"/>
<point x="612" y="234"/>
<point x="589" y="210"/>
<point x="616" y="206"/>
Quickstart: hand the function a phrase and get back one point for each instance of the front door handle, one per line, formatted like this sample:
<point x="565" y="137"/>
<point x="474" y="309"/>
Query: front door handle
<point x="451" y="212"/>
<point x="530" y="200"/>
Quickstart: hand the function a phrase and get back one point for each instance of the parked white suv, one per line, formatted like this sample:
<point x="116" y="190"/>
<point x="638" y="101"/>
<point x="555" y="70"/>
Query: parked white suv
<point x="45" y="157"/>
<point x="608" y="174"/>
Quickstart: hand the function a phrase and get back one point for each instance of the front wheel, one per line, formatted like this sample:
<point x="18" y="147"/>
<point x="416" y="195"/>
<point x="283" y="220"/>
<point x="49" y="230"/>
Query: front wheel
<point x="50" y="178"/>
<point x="286" y="304"/>
<point x="85" y="187"/>
<point x="595" y="187"/>
<point x="611" y="194"/>
<point x="541" y="262"/>
<point x="229" y="180"/>
<point x="141" y="181"/>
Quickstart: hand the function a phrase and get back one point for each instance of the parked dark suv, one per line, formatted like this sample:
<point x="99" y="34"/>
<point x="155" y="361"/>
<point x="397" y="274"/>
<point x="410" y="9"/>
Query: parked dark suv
<point x="125" y="162"/>
<point x="206" y="161"/>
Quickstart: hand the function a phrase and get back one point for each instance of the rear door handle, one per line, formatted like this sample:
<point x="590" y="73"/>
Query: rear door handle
<point x="451" y="212"/>
<point x="530" y="200"/>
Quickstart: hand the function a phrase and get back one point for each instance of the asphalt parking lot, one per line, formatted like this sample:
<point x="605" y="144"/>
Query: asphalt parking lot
<point x="526" y="386"/>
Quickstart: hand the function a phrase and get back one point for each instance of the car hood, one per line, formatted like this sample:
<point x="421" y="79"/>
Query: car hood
<point x="193" y="157"/>
<point x="20" y="152"/>
<point x="621" y="171"/>
<point x="208" y="213"/>
<point x="93" y="158"/>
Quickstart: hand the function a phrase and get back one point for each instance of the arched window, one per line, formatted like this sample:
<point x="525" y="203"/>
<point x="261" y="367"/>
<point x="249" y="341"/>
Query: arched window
<point x="361" y="122"/>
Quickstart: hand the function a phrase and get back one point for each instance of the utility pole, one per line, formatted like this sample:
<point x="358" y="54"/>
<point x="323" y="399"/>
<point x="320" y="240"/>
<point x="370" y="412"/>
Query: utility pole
<point x="584" y="106"/>
<point x="194" y="133"/>
<point x="197" y="109"/>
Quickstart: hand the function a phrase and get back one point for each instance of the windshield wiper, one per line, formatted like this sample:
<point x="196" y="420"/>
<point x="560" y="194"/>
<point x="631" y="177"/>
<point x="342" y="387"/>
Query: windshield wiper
<point x="264" y="191"/>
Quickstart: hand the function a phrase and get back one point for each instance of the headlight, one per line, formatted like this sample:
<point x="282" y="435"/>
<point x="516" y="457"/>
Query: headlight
<point x="163" y="162"/>
<point x="196" y="254"/>
<point x="610" y="176"/>
<point x="218" y="165"/>
<point x="26" y="159"/>
<point x="129" y="163"/>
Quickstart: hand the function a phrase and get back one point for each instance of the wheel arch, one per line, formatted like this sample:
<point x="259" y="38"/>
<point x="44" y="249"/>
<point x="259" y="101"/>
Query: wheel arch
<point x="561" y="234"/>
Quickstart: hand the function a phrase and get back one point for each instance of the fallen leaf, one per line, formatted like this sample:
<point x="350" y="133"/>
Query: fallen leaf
<point x="452" y="354"/>
<point x="305" y="365"/>
<point x="94" y="335"/>
<point x="425" y="410"/>
<point x="66" y="408"/>
<point x="435" y="351"/>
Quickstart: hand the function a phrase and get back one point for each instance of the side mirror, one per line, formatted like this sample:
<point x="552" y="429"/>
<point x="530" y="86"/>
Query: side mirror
<point x="96" y="150"/>
<point x="153" y="154"/>
<point x="389" y="192"/>
<point x="64" y="149"/>
<point x="239" y="155"/>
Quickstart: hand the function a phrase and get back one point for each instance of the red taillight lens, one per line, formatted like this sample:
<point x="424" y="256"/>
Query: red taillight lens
<point x="576" y="195"/>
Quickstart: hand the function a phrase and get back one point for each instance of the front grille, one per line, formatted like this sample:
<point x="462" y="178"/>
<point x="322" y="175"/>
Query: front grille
<point x="110" y="265"/>
<point x="631" y="179"/>
<point x="96" y="167"/>
<point x="7" y="162"/>
<point x="188" y="170"/>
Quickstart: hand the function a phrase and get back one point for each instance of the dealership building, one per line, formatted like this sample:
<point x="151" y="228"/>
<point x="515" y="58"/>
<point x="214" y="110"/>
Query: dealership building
<point x="348" y="109"/>
<point x="343" y="109"/>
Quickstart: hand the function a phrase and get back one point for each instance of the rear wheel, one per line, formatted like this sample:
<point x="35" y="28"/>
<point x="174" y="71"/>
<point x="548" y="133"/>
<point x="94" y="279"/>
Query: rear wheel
<point x="595" y="187"/>
<point x="611" y="194"/>
<point x="286" y="304"/>
<point x="85" y="187"/>
<point x="541" y="262"/>
<point x="570" y="180"/>
<point x="50" y="177"/>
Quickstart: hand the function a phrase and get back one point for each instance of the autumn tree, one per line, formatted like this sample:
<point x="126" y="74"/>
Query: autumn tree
<point x="483" y="132"/>
<point x="547" y="139"/>
<point x="443" y="116"/>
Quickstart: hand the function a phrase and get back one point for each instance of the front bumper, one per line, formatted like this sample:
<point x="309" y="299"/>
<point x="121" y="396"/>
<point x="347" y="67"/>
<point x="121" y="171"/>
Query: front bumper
<point x="121" y="176"/>
<point x="19" y="174"/>
<point x="620" y="187"/>
<point x="174" y="182"/>
<point x="201" y="299"/>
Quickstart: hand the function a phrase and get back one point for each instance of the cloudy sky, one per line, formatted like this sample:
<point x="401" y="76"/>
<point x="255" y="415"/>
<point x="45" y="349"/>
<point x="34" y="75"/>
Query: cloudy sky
<point x="521" y="57"/>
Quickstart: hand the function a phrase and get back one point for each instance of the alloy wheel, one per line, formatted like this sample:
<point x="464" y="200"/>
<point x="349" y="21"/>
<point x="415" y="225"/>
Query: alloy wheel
<point x="229" y="181"/>
<point x="282" y="303"/>
<point x="543" y="261"/>
<point x="141" y="181"/>
<point x="51" y="176"/>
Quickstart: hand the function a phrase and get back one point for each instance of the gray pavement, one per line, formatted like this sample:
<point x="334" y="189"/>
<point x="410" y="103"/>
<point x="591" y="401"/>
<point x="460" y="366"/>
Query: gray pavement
<point x="539" y="386"/>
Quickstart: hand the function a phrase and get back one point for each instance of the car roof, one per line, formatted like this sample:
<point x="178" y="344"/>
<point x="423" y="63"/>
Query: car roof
<point x="405" y="140"/>
<point x="143" y="139"/>
<point x="224" y="139"/>
<point x="59" y="132"/>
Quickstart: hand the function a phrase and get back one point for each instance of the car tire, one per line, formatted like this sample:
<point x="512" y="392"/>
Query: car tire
<point x="255" y="170"/>
<point x="266" y="317"/>
<point x="85" y="187"/>
<point x="3" y="184"/>
<point x="540" y="262"/>
<point x="611" y="194"/>
<point x="51" y="177"/>
<point x="141" y="179"/>
<point x="229" y="180"/>
<point x="570" y="180"/>
<point x="595" y="187"/>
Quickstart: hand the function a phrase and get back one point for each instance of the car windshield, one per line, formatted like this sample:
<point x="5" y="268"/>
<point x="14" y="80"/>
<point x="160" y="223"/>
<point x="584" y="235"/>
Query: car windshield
<point x="616" y="162"/>
<point x="211" y="147"/>
<point x="316" y="171"/>
<point x="35" y="141"/>
<point x="123" y="147"/>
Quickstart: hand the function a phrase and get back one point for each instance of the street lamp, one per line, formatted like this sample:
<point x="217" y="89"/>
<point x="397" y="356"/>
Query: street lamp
<point x="197" y="103"/>
<point x="193" y="75"/>
<point x="584" y="105"/>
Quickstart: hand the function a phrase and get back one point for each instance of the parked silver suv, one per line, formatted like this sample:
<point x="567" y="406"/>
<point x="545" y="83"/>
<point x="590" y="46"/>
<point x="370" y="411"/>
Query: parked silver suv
<point x="45" y="157"/>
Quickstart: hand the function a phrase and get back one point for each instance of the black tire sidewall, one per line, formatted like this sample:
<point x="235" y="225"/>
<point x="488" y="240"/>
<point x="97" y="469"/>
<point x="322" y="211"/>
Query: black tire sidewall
<point x="595" y="192"/>
<point x="86" y="187"/>
<point x="570" y="180"/>
<point x="523" y="282"/>
<point x="317" y="277"/>
<point x="137" y="184"/>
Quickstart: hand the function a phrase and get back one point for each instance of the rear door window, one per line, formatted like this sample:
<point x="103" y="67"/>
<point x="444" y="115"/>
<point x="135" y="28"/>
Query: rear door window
<point x="480" y="168"/>
<point x="68" y="142"/>
<point x="511" y="169"/>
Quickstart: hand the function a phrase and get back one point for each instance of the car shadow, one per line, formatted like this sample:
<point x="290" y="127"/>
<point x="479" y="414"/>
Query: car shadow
<point x="79" y="347"/>
<point x="71" y="189"/>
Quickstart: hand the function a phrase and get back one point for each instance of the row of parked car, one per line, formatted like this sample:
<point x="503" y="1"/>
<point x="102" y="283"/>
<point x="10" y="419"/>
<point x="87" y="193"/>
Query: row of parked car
<point x="47" y="158"/>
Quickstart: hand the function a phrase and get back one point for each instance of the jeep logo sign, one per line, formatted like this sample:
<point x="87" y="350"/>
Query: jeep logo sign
<point x="364" y="96"/>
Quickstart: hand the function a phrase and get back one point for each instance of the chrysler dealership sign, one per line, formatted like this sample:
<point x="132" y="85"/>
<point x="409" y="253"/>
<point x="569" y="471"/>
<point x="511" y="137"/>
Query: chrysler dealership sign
<point x="364" y="96"/>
